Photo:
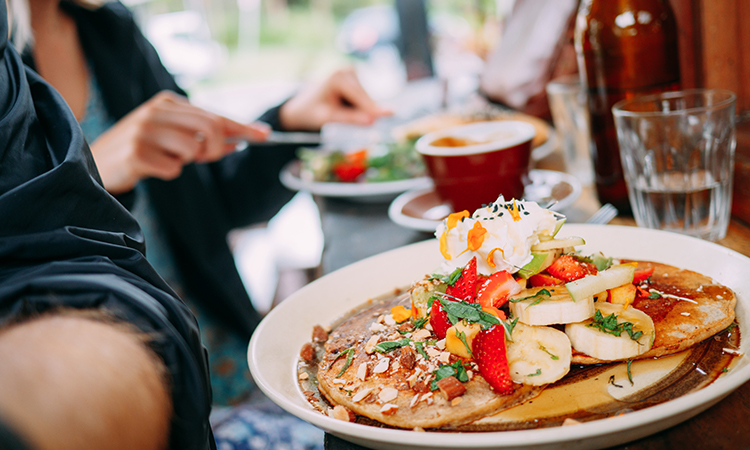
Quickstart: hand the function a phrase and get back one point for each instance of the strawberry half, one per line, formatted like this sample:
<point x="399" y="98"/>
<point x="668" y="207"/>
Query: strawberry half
<point x="439" y="319"/>
<point x="489" y="354"/>
<point x="567" y="268"/>
<point x="495" y="289"/>
<point x="465" y="288"/>
<point x="543" y="279"/>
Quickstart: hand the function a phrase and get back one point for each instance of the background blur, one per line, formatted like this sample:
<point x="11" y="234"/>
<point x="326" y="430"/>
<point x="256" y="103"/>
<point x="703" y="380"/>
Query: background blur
<point x="239" y="57"/>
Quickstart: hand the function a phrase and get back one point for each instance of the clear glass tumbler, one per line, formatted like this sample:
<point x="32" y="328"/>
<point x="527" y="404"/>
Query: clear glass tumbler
<point x="570" y="114"/>
<point x="677" y="151"/>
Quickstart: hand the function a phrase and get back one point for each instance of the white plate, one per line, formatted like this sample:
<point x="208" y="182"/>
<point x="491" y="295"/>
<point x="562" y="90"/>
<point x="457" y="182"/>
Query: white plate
<point x="380" y="191"/>
<point x="422" y="210"/>
<point x="275" y="345"/>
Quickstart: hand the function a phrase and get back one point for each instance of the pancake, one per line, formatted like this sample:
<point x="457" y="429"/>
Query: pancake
<point x="400" y="396"/>
<point x="691" y="308"/>
<point x="392" y="387"/>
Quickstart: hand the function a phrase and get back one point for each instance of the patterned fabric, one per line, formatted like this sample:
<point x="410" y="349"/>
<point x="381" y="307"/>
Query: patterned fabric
<point x="261" y="424"/>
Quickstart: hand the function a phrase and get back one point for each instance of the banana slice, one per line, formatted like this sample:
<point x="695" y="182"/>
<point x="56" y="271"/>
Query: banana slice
<point x="606" y="345"/>
<point x="538" y="355"/>
<point x="533" y="307"/>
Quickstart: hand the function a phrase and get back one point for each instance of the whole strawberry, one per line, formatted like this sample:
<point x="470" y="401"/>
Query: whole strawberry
<point x="489" y="354"/>
<point x="465" y="288"/>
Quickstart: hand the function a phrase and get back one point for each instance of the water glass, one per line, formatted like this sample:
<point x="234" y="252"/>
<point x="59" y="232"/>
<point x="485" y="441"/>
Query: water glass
<point x="677" y="150"/>
<point x="570" y="114"/>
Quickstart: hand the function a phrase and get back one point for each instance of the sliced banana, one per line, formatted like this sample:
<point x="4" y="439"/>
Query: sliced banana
<point x="536" y="308"/>
<point x="607" y="346"/>
<point x="538" y="355"/>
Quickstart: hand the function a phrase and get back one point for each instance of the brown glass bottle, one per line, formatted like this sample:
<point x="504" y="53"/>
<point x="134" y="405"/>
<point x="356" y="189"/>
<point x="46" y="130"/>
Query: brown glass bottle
<point x="625" y="48"/>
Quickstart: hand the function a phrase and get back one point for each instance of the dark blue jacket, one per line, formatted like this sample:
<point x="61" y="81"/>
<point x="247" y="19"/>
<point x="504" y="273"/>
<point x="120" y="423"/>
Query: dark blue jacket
<point x="65" y="242"/>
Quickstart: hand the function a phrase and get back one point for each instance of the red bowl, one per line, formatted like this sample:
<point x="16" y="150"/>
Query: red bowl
<point x="472" y="165"/>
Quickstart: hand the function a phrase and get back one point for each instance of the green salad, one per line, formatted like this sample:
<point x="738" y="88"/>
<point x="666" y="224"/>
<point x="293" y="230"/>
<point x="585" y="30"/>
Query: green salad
<point x="383" y="162"/>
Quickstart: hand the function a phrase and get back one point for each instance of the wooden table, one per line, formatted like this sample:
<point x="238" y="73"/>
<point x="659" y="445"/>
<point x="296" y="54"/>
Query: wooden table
<point x="354" y="231"/>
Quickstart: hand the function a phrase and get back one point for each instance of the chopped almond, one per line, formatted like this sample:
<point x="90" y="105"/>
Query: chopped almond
<point x="408" y="358"/>
<point x="388" y="409"/>
<point x="451" y="387"/>
<point x="343" y="413"/>
<point x="308" y="352"/>
<point x="319" y="334"/>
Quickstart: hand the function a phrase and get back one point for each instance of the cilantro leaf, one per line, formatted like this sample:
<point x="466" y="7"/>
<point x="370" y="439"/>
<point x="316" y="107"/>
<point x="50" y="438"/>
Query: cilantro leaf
<point x="462" y="336"/>
<point x="471" y="312"/>
<point x="609" y="325"/>
<point x="456" y="369"/>
<point x="387" y="346"/>
<point x="420" y="348"/>
<point x="541" y="294"/>
<point x="544" y="349"/>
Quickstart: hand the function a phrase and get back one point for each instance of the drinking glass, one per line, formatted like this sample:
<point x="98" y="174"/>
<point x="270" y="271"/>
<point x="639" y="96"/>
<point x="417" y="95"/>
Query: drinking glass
<point x="570" y="114"/>
<point x="677" y="151"/>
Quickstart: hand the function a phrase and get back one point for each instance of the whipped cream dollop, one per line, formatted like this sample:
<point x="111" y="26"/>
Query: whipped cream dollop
<point x="500" y="235"/>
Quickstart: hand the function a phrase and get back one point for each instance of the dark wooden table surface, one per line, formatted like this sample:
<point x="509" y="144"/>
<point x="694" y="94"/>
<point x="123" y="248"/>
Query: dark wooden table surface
<point x="354" y="231"/>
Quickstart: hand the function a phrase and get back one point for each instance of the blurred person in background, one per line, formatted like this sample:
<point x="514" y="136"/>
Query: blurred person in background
<point x="167" y="161"/>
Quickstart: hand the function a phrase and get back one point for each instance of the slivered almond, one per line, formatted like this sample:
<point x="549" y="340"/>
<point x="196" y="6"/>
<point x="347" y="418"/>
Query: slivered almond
<point x="343" y="413"/>
<point x="388" y="394"/>
<point x="421" y="334"/>
<point x="362" y="371"/>
<point x="371" y="343"/>
<point x="360" y="395"/>
<point x="381" y="366"/>
<point x="388" y="409"/>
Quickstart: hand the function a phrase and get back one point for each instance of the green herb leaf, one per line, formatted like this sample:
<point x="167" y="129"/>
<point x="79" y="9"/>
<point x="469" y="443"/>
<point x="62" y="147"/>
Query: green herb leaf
<point x="462" y="336"/>
<point x="535" y="374"/>
<point x="471" y="312"/>
<point x="419" y="323"/>
<point x="609" y="325"/>
<point x="544" y="349"/>
<point x="420" y="348"/>
<point x="630" y="374"/>
<point x="349" y="358"/>
<point x="541" y="294"/>
<point x="509" y="326"/>
<point x="456" y="369"/>
<point x="654" y="295"/>
<point x="339" y="356"/>
<point x="387" y="346"/>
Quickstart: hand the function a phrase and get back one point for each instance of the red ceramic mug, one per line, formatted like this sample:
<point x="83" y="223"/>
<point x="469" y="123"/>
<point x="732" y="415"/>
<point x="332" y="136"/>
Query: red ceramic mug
<point x="471" y="165"/>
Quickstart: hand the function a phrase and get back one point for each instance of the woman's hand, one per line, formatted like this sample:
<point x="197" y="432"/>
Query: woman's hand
<point x="341" y="98"/>
<point x="159" y="137"/>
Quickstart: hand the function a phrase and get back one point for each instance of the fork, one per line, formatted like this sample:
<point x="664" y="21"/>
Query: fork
<point x="606" y="213"/>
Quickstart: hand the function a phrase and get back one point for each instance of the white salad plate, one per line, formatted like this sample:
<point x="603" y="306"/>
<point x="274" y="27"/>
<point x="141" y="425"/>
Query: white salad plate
<point x="422" y="209"/>
<point x="274" y="348"/>
<point x="376" y="191"/>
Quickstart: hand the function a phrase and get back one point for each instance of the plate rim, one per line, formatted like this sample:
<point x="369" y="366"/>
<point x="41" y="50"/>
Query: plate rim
<point x="397" y="205"/>
<point x="592" y="434"/>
